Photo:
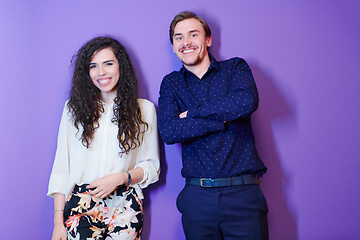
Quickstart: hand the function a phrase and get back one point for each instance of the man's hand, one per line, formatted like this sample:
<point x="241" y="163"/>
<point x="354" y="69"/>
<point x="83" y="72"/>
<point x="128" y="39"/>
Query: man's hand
<point x="183" y="114"/>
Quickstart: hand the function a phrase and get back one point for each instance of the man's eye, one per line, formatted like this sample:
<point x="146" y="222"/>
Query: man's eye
<point x="193" y="35"/>
<point x="178" y="38"/>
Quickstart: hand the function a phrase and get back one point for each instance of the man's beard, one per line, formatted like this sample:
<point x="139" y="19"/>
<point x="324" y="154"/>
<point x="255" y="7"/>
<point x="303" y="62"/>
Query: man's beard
<point x="197" y="61"/>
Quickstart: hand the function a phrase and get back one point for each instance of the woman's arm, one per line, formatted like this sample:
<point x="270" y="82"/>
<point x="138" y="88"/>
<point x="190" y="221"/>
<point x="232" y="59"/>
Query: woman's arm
<point x="104" y="186"/>
<point x="59" y="232"/>
<point x="146" y="170"/>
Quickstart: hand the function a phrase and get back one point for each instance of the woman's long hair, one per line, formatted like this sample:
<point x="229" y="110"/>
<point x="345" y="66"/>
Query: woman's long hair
<point x="85" y="104"/>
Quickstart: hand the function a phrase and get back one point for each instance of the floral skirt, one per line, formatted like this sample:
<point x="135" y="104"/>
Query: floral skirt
<point x="118" y="216"/>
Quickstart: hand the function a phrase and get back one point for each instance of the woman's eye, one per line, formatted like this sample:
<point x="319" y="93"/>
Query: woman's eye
<point x="109" y="64"/>
<point x="92" y="66"/>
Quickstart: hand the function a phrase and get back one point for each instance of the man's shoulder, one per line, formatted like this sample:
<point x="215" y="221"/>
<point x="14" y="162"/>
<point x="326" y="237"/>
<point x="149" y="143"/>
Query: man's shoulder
<point x="232" y="61"/>
<point x="172" y="78"/>
<point x="173" y="75"/>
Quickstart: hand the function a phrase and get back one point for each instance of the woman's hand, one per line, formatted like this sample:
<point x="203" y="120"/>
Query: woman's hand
<point x="102" y="187"/>
<point x="59" y="232"/>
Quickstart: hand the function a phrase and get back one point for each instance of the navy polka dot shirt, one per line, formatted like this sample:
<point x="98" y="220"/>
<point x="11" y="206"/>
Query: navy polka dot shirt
<point x="216" y="136"/>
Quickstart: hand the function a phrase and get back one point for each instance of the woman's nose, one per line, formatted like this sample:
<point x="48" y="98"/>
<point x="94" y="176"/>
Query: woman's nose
<point x="102" y="71"/>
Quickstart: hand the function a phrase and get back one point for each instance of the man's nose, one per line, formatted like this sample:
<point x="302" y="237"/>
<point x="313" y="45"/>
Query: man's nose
<point x="187" y="41"/>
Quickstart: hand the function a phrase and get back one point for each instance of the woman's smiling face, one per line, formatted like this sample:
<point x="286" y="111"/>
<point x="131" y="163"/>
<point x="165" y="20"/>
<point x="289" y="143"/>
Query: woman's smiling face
<point x="105" y="72"/>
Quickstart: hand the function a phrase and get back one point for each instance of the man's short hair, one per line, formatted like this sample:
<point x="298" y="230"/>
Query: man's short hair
<point x="186" y="15"/>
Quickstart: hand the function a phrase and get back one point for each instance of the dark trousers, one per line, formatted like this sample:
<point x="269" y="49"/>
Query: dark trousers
<point x="230" y="213"/>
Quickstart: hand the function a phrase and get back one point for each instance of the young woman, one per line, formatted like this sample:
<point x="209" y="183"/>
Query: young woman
<point x="107" y="148"/>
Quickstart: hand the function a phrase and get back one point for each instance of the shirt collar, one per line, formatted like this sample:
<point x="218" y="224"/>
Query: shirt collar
<point x="213" y="65"/>
<point x="107" y="106"/>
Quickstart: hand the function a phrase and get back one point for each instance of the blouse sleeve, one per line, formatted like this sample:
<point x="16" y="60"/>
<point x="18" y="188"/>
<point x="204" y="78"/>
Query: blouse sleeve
<point x="60" y="171"/>
<point x="148" y="158"/>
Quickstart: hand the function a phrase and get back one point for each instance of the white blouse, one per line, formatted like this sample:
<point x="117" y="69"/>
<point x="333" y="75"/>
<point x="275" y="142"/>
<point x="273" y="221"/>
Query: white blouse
<point x="76" y="164"/>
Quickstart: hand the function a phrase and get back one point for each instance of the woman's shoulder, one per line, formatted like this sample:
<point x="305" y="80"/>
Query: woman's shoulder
<point x="147" y="108"/>
<point x="144" y="103"/>
<point x="66" y="110"/>
<point x="66" y="107"/>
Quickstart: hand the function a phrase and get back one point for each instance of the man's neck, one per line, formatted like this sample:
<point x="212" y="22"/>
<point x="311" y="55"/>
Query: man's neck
<point x="201" y="68"/>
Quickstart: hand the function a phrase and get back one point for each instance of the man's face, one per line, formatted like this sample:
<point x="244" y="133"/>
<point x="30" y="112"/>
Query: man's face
<point x="190" y="43"/>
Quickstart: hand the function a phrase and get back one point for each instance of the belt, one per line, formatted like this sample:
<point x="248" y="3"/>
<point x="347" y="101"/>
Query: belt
<point x="224" y="182"/>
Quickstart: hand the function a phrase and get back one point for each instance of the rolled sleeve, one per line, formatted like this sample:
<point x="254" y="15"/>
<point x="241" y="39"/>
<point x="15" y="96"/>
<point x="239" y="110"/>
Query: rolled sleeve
<point x="60" y="171"/>
<point x="148" y="158"/>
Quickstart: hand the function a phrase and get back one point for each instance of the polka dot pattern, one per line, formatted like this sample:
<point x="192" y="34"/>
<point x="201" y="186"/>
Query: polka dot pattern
<point x="210" y="147"/>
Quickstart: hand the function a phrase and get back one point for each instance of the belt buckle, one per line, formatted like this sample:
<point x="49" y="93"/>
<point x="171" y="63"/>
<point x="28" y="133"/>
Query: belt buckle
<point x="212" y="181"/>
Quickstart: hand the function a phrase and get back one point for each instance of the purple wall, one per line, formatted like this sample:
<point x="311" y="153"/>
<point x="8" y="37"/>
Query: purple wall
<point x="305" y="59"/>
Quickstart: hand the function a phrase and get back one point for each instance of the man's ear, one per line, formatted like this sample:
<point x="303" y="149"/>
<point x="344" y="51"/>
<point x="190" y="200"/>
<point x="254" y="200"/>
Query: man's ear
<point x="208" y="41"/>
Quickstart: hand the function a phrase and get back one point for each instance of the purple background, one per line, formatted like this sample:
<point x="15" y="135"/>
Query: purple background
<point x="305" y="59"/>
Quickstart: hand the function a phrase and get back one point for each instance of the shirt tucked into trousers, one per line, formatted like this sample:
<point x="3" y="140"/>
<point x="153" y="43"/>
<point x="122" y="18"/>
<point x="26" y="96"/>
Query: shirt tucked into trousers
<point x="217" y="142"/>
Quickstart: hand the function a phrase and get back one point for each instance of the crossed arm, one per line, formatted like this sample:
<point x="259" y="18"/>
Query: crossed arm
<point x="182" y="125"/>
<point x="174" y="126"/>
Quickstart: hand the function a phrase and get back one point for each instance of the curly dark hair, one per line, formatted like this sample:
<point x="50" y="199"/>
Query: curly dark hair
<point x="85" y="98"/>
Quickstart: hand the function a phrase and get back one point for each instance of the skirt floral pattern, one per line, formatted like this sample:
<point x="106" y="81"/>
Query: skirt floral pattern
<point x="119" y="216"/>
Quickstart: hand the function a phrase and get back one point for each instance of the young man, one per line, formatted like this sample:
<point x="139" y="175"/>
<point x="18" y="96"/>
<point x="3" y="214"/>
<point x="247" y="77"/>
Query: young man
<point x="206" y="106"/>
